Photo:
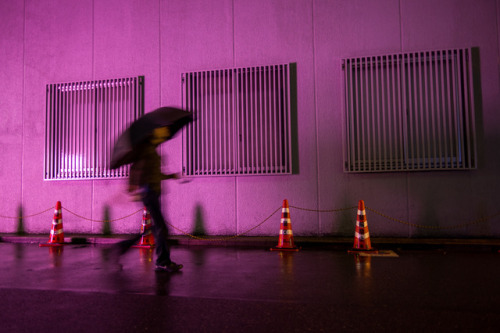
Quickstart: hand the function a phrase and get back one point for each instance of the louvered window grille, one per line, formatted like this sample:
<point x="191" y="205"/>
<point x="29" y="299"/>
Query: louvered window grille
<point x="409" y="112"/>
<point x="242" y="122"/>
<point x="83" y="120"/>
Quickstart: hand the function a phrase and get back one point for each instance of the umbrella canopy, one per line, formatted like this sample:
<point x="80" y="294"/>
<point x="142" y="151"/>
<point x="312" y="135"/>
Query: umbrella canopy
<point x="138" y="134"/>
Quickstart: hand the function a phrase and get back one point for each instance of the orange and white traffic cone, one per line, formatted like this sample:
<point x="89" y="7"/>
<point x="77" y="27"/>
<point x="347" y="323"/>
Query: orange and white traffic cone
<point x="147" y="239"/>
<point x="285" y="242"/>
<point x="362" y="241"/>
<point x="56" y="232"/>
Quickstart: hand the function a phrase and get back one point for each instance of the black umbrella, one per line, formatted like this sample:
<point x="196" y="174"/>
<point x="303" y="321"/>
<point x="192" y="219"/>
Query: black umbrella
<point x="138" y="134"/>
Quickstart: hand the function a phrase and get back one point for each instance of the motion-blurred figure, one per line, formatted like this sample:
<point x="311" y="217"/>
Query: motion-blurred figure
<point x="145" y="184"/>
<point x="137" y="146"/>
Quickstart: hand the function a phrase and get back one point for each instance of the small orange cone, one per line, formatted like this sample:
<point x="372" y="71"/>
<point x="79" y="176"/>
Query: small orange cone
<point x="147" y="239"/>
<point x="362" y="241"/>
<point x="285" y="242"/>
<point x="56" y="232"/>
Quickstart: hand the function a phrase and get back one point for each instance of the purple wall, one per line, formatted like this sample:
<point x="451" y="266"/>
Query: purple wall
<point x="49" y="41"/>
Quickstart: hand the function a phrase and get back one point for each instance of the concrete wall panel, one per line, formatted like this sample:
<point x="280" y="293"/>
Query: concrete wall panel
<point x="11" y="106"/>
<point x="126" y="43"/>
<point x="274" y="33"/>
<point x="343" y="30"/>
<point x="58" y="48"/>
<point x="196" y="35"/>
<point x="50" y="41"/>
<point x="427" y="25"/>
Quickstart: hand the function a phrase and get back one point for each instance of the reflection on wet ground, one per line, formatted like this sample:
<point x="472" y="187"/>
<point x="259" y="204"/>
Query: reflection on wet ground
<point x="449" y="288"/>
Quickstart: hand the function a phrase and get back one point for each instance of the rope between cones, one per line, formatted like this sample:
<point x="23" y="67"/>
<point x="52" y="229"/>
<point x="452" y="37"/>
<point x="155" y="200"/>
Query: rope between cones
<point x="25" y="217"/>
<point x="225" y="238"/>
<point x="69" y="211"/>
<point x="324" y="211"/>
<point x="415" y="225"/>
<point x="477" y="221"/>
<point x="92" y="220"/>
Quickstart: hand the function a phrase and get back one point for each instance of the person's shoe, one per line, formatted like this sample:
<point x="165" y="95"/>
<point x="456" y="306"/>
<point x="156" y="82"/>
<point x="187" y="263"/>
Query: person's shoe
<point x="172" y="267"/>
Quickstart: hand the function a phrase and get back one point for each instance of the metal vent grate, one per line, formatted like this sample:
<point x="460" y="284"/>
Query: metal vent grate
<point x="83" y="120"/>
<point x="409" y="112"/>
<point x="242" y="122"/>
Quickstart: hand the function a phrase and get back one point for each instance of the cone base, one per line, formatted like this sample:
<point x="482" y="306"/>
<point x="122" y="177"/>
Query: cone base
<point x="362" y="251"/>
<point x="144" y="246"/>
<point x="290" y="249"/>
<point x="50" y="244"/>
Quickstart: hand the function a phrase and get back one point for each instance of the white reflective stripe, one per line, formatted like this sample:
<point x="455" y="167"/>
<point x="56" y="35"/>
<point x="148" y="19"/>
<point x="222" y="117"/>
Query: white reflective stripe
<point x="362" y="224"/>
<point x="285" y="210"/>
<point x="56" y="222"/>
<point x="361" y="212"/>
<point x="56" y="232"/>
<point x="286" y="232"/>
<point x="285" y="220"/>
<point x="364" y="236"/>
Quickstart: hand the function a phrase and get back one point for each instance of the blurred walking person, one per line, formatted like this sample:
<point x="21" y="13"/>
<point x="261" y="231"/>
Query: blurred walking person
<point x="137" y="146"/>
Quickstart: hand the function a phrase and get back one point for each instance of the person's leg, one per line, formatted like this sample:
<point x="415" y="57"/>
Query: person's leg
<point x="125" y="245"/>
<point x="160" y="231"/>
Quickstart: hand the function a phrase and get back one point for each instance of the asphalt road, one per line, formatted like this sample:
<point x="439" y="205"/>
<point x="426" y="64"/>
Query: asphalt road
<point x="77" y="288"/>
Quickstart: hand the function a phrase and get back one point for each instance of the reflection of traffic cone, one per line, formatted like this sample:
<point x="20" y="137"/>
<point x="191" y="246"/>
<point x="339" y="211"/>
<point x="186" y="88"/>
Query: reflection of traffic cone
<point x="55" y="253"/>
<point x="285" y="242"/>
<point x="286" y="262"/>
<point x="363" y="265"/>
<point x="147" y="239"/>
<point x="362" y="235"/>
<point x="56" y="233"/>
<point x="146" y="255"/>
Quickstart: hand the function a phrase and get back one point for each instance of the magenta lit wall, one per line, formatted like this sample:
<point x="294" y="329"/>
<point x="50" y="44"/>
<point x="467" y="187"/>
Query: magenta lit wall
<point x="51" y="41"/>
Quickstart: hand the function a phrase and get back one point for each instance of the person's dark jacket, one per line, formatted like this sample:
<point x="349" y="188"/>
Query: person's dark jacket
<point x="147" y="170"/>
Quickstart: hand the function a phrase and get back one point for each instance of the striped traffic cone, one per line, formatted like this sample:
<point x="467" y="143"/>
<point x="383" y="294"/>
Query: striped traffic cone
<point x="147" y="238"/>
<point x="56" y="232"/>
<point x="362" y="241"/>
<point x="285" y="242"/>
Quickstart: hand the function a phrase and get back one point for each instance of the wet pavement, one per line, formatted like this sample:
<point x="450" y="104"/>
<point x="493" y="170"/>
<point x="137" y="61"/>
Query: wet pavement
<point x="78" y="288"/>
